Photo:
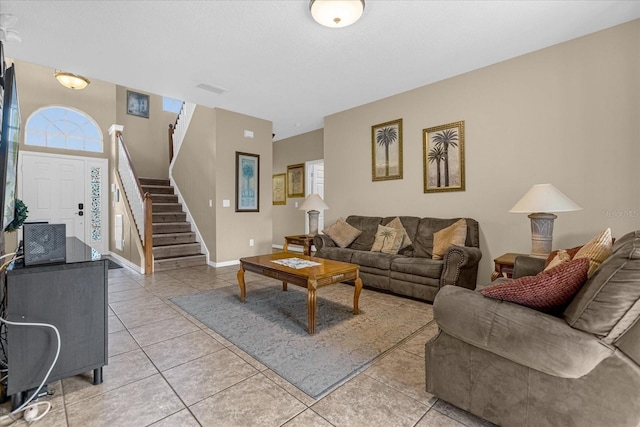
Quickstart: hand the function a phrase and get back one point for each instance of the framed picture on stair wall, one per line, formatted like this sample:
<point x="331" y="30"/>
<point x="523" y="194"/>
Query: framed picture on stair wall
<point x="443" y="158"/>
<point x="137" y="104"/>
<point x="247" y="182"/>
<point x="386" y="151"/>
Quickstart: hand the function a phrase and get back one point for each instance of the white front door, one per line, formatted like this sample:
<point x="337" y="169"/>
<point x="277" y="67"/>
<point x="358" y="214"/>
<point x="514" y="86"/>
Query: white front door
<point x="66" y="190"/>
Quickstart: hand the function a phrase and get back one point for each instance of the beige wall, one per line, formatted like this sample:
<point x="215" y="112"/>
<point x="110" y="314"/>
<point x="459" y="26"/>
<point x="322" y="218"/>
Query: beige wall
<point x="287" y="219"/>
<point x="146" y="139"/>
<point x="38" y="88"/>
<point x="194" y="173"/>
<point x="567" y="115"/>
<point x="205" y="170"/>
<point x="105" y="103"/>
<point x="234" y="229"/>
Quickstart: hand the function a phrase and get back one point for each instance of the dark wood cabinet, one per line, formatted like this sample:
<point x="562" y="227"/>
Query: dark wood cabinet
<point x="72" y="297"/>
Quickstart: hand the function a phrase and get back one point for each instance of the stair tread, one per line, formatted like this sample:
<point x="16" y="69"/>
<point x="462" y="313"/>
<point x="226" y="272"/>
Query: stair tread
<point x="182" y="257"/>
<point x="179" y="244"/>
<point x="171" y="223"/>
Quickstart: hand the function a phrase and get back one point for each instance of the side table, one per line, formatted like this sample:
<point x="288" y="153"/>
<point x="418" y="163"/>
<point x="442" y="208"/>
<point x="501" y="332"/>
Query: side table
<point x="304" y="240"/>
<point x="504" y="265"/>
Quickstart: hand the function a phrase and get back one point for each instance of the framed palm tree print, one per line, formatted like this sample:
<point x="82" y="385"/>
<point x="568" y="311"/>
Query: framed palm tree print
<point x="247" y="182"/>
<point x="443" y="158"/>
<point x="386" y="151"/>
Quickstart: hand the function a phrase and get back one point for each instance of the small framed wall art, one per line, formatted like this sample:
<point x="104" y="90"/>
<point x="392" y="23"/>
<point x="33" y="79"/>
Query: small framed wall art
<point x="137" y="104"/>
<point x="247" y="182"/>
<point x="443" y="158"/>
<point x="386" y="151"/>
<point x="295" y="180"/>
<point x="279" y="188"/>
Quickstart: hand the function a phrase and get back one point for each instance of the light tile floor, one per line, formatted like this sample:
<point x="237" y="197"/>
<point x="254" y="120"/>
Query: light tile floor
<point x="168" y="369"/>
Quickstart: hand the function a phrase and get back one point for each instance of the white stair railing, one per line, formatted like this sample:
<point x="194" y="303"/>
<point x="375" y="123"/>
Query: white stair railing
<point x="131" y="187"/>
<point x="182" y="124"/>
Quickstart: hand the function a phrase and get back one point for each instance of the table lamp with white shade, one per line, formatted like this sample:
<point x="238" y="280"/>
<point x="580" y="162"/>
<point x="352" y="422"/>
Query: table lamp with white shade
<point x="539" y="202"/>
<point x="313" y="204"/>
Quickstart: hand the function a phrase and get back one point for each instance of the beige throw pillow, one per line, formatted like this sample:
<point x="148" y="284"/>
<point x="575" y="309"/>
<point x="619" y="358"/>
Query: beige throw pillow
<point x="397" y="224"/>
<point x="561" y="257"/>
<point x="342" y="233"/>
<point x="455" y="234"/>
<point x="596" y="250"/>
<point x="387" y="241"/>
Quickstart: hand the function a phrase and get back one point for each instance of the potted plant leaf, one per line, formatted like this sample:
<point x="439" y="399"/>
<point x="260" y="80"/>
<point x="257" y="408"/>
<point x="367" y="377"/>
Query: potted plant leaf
<point x="19" y="218"/>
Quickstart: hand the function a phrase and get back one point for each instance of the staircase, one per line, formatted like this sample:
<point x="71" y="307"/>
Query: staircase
<point x="174" y="244"/>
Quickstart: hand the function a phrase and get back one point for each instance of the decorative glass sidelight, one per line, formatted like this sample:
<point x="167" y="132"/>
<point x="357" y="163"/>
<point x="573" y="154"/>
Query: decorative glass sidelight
<point x="96" y="194"/>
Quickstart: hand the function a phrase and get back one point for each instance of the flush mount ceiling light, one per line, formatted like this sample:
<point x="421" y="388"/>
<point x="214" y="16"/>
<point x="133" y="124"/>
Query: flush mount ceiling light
<point x="336" y="13"/>
<point x="72" y="81"/>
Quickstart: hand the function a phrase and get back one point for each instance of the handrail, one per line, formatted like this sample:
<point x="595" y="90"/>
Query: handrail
<point x="128" y="157"/>
<point x="171" y="130"/>
<point x="139" y="201"/>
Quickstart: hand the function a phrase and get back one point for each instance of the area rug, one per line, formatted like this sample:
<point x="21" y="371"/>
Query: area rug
<point x="271" y="326"/>
<point x="113" y="265"/>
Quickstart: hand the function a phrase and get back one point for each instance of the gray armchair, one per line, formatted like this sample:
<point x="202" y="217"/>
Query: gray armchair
<point x="516" y="366"/>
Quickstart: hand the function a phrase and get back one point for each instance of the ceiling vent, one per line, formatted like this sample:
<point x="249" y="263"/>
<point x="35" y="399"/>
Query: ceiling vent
<point x="211" y="88"/>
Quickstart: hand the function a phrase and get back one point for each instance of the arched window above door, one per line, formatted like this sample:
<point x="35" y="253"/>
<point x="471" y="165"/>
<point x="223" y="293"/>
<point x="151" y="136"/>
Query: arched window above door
<point x="65" y="128"/>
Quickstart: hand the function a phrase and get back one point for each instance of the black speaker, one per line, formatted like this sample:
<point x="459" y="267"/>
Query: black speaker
<point x="44" y="243"/>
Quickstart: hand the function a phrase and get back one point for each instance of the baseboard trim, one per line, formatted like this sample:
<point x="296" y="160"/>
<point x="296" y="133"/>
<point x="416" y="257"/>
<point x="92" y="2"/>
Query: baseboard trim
<point x="126" y="262"/>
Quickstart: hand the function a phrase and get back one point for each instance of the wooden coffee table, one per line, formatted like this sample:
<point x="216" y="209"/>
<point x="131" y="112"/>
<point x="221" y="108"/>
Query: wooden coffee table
<point x="312" y="278"/>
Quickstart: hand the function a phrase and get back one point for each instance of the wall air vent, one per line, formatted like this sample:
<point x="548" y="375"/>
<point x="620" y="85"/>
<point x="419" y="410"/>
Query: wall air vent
<point x="211" y="88"/>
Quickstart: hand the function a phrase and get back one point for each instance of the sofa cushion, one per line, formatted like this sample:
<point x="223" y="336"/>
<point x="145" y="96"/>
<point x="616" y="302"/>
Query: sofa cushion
<point x="548" y="291"/>
<point x="423" y="242"/>
<point x="596" y="250"/>
<point x="377" y="260"/>
<point x="426" y="267"/>
<point x="335" y="253"/>
<point x="397" y="224"/>
<point x="609" y="302"/>
<point x="342" y="233"/>
<point x="369" y="226"/>
<point x="388" y="240"/>
<point x="455" y="234"/>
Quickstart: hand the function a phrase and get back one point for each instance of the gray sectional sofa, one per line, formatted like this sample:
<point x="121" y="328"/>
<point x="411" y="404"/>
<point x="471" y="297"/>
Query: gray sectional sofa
<point x="516" y="366"/>
<point x="411" y="272"/>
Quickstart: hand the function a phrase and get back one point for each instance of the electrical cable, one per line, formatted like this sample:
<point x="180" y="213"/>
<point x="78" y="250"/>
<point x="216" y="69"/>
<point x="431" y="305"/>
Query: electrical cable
<point x="22" y="407"/>
<point x="46" y="377"/>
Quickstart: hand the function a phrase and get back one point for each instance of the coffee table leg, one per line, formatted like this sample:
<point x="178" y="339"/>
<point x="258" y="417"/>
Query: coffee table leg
<point x="243" y="289"/>
<point x="356" y="294"/>
<point x="311" y="305"/>
<point x="284" y="286"/>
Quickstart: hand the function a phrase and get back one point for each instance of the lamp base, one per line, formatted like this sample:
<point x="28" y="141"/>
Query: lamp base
<point x="541" y="234"/>
<point x="313" y="222"/>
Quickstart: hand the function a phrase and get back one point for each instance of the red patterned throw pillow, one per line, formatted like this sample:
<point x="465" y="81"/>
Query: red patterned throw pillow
<point x="548" y="291"/>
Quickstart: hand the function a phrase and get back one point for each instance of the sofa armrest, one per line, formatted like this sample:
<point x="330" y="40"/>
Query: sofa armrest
<point x="527" y="266"/>
<point x="460" y="266"/>
<point x="322" y="240"/>
<point x="525" y="336"/>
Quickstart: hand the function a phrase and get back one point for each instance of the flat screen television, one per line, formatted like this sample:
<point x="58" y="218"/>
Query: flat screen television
<point x="9" y="144"/>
